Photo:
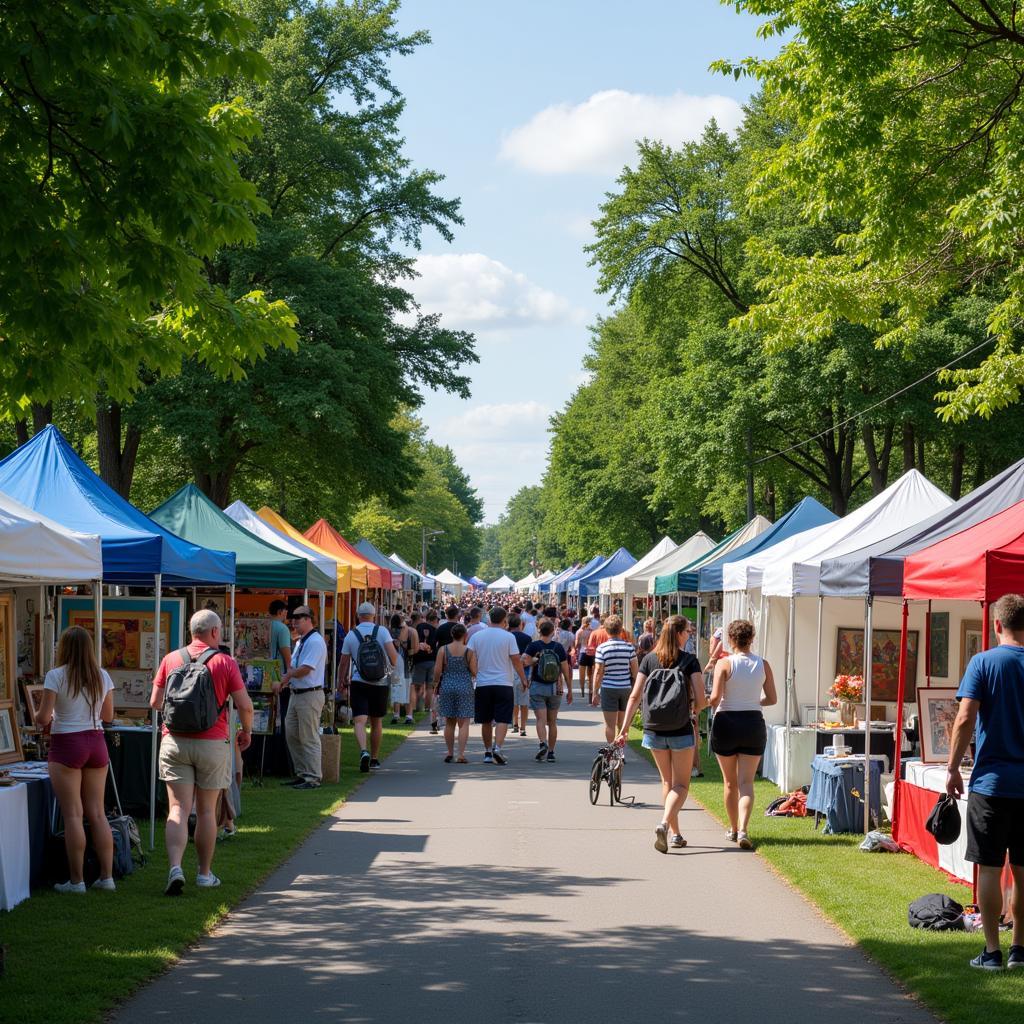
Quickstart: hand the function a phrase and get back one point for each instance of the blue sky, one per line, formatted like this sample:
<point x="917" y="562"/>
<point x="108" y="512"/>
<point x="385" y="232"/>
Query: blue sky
<point x="530" y="110"/>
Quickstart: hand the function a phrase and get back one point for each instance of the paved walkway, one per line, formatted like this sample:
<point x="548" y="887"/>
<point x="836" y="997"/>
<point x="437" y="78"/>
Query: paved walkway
<point x="451" y="893"/>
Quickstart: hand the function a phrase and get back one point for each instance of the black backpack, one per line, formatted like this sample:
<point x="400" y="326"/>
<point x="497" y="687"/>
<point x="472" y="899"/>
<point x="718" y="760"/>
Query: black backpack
<point x="936" y="913"/>
<point x="549" y="668"/>
<point x="666" y="703"/>
<point x="190" y="699"/>
<point x="371" y="661"/>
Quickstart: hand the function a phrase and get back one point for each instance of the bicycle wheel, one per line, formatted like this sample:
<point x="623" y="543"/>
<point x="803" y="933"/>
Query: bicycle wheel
<point x="595" y="780"/>
<point x="615" y="786"/>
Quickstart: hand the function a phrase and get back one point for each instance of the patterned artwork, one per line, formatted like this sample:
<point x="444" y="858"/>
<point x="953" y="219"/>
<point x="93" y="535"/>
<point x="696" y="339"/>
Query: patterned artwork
<point x="885" y="660"/>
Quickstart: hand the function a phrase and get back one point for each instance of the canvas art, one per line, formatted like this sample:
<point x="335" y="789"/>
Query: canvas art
<point x="938" y="645"/>
<point x="971" y="633"/>
<point x="10" y="737"/>
<point x="252" y="637"/>
<point x="885" y="660"/>
<point x="937" y="710"/>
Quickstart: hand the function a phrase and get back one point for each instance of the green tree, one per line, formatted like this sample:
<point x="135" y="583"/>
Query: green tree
<point x="120" y="181"/>
<point x="490" y="566"/>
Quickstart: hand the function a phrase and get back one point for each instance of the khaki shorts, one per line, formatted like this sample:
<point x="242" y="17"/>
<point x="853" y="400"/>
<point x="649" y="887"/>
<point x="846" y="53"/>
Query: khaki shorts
<point x="202" y="763"/>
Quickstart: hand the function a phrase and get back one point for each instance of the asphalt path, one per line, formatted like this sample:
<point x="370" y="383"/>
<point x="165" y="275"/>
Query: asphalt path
<point x="450" y="893"/>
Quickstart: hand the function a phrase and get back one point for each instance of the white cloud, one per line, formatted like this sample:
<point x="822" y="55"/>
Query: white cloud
<point x="498" y="421"/>
<point x="474" y="292"/>
<point x="599" y="135"/>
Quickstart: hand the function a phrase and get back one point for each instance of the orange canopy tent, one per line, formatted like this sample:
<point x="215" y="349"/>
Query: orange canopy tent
<point x="327" y="538"/>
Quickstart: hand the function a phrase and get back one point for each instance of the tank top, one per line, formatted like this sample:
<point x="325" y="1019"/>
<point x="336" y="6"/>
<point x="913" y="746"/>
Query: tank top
<point x="744" y="685"/>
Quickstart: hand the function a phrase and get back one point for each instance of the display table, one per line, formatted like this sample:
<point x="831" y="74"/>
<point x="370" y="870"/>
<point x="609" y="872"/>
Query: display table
<point x="15" y="856"/>
<point x="883" y="741"/>
<point x="837" y="787"/>
<point x="918" y="793"/>
<point x="801" y="754"/>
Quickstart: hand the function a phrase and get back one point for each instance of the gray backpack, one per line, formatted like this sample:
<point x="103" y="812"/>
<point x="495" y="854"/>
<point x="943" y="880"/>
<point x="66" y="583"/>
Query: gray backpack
<point x="190" y="699"/>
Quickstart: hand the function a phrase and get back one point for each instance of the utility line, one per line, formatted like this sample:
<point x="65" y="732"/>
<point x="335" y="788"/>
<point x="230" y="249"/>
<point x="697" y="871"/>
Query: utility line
<point x="871" y="408"/>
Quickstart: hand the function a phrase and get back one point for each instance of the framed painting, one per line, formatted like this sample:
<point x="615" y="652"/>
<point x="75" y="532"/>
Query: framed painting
<point x="937" y="707"/>
<point x="971" y="642"/>
<point x="885" y="660"/>
<point x="129" y="630"/>
<point x="938" y="645"/>
<point x="252" y="637"/>
<point x="7" y="650"/>
<point x="32" y="693"/>
<point x="10" y="736"/>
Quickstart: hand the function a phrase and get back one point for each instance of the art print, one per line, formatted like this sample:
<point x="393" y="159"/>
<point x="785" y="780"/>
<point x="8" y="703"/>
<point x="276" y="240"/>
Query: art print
<point x="937" y="711"/>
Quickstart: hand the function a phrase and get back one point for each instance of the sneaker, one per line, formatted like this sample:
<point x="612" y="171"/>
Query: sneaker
<point x="175" y="882"/>
<point x="1016" y="957"/>
<point x="677" y="842"/>
<point x="744" y="841"/>
<point x="515" y="730"/>
<point x="696" y="773"/>
<point x="104" y="885"/>
<point x="210" y="881"/>
<point x="374" y="763"/>
<point x="364" y="761"/>
<point x="551" y="755"/>
<point x="227" y="833"/>
<point x="730" y="836"/>
<point x="313" y="785"/>
<point x="394" y="719"/>
<point x="77" y="888"/>
<point x="661" y="838"/>
<point x="291" y="782"/>
<point x="499" y="757"/>
<point x="409" y="720"/>
<point x="542" y="751"/>
<point x="987" y="961"/>
<point x="488" y="757"/>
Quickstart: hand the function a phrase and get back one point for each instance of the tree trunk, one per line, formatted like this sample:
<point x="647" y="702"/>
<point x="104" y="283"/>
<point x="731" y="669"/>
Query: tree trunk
<point x="920" y="456"/>
<point x="42" y="416"/>
<point x="217" y="486"/>
<point x="21" y="432"/>
<point x="908" y="447"/>
<point x="769" y="497"/>
<point x="117" y="461"/>
<point x="878" y="462"/>
<point x="956" y="482"/>
<point x="750" y="474"/>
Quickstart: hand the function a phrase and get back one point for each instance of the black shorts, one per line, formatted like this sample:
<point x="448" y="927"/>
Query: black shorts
<point x="493" y="704"/>
<point x="738" y="732"/>
<point x="995" y="826"/>
<point x="614" y="698"/>
<point x="369" y="699"/>
<point x="585" y="660"/>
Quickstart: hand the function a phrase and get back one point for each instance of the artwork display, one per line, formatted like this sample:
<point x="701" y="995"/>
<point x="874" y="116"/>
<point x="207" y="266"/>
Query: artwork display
<point x="213" y="601"/>
<point x="885" y="660"/>
<point x="260" y="674"/>
<point x="971" y="641"/>
<point x="264" y="715"/>
<point x="7" y="664"/>
<point x="30" y="643"/>
<point x="938" y="645"/>
<point x="937" y="710"/>
<point x="10" y="737"/>
<point x="252" y="637"/>
<point x="131" y="652"/>
<point x="33" y="697"/>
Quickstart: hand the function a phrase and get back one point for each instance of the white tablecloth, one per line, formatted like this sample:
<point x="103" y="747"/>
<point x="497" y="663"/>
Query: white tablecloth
<point x="952" y="858"/>
<point x="801" y="754"/>
<point x="14" y="851"/>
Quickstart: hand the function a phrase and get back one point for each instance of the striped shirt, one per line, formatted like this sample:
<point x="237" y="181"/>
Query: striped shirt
<point x="615" y="655"/>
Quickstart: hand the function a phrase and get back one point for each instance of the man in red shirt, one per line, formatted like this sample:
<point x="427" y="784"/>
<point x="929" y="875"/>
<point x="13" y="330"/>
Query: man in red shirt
<point x="197" y="766"/>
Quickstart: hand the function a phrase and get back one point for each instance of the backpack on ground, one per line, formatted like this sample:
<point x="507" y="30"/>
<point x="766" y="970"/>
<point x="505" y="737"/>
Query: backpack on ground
<point x="936" y="913"/>
<point x="666" y="703"/>
<point x="549" y="668"/>
<point x="371" y="661"/>
<point x="190" y="698"/>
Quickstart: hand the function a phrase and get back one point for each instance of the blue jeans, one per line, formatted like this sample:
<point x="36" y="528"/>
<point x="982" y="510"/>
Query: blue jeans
<point x="655" y="741"/>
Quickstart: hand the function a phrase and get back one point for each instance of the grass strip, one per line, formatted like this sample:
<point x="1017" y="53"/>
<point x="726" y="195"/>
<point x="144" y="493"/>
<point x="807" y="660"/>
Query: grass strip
<point x="867" y="895"/>
<point x="71" y="958"/>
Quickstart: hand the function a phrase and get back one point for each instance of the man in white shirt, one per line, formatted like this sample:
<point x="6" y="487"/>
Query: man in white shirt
<point x="305" y="679"/>
<point x="473" y="623"/>
<point x="529" y="621"/>
<point x="368" y="697"/>
<point x="498" y="662"/>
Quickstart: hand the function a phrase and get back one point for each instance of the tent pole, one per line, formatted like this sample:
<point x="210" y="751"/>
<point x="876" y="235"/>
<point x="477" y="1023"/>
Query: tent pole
<point x="334" y="645"/>
<point x="869" y="659"/>
<point x="154" y="715"/>
<point x="97" y="619"/>
<point x="790" y="671"/>
<point x="305" y="597"/>
<point x="231" y="702"/>
<point x="984" y="625"/>
<point x="697" y="625"/>
<point x="901" y="690"/>
<point x="928" y="645"/>
<point x="231" y="621"/>
<point x="817" y="666"/>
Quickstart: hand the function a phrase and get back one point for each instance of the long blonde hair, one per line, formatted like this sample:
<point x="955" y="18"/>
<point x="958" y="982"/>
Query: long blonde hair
<point x="668" y="647"/>
<point x="76" y="654"/>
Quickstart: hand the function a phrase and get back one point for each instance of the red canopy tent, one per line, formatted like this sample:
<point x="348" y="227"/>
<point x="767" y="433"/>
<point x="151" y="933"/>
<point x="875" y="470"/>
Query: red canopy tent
<point x="981" y="563"/>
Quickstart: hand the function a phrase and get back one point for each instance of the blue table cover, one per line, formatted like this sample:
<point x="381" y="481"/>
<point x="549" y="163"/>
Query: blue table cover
<point x="837" y="788"/>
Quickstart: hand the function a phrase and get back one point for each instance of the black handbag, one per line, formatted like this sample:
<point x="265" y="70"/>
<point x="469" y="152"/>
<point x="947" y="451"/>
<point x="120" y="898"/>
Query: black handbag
<point x="944" y="820"/>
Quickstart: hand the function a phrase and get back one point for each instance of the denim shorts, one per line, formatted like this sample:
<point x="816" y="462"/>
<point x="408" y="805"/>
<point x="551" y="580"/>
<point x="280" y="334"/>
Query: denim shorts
<point x="655" y="741"/>
<point x="544" y="701"/>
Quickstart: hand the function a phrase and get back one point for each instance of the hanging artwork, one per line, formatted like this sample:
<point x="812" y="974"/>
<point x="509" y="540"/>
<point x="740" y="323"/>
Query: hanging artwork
<point x="10" y="736"/>
<point x="885" y="660"/>
<point x="938" y="645"/>
<point x="252" y="637"/>
<point x="937" y="710"/>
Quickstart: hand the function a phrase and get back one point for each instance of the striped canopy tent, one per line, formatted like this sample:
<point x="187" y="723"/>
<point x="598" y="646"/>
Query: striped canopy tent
<point x="553" y="585"/>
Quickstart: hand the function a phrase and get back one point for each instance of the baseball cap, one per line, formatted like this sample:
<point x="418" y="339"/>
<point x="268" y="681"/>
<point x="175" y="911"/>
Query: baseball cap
<point x="301" y="610"/>
<point x="366" y="609"/>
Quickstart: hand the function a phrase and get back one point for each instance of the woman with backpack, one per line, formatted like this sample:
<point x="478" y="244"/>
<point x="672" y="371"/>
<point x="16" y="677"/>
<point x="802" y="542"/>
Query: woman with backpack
<point x="743" y="685"/>
<point x="454" y="669"/>
<point x="550" y="670"/>
<point x="77" y="699"/>
<point x="670" y="688"/>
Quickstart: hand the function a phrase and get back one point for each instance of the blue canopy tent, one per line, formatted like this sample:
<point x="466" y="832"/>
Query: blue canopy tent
<point x="47" y="475"/>
<point x="478" y="583"/>
<point x="588" y="584"/>
<point x="803" y="516"/>
<point x="548" y="587"/>
<point x="565" y="584"/>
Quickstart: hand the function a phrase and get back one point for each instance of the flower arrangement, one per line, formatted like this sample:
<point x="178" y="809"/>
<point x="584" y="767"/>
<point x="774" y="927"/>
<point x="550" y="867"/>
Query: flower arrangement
<point x="846" y="690"/>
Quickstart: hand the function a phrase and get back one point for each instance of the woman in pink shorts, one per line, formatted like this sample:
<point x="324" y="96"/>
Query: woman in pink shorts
<point x="77" y="699"/>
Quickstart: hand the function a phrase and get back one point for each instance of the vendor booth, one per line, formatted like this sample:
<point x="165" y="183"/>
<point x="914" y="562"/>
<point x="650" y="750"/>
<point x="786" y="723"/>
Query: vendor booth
<point x="632" y="582"/>
<point x="503" y="584"/>
<point x="551" y="586"/>
<point x="423" y="581"/>
<point x="451" y="583"/>
<point x="526" y="584"/>
<point x="584" y="586"/>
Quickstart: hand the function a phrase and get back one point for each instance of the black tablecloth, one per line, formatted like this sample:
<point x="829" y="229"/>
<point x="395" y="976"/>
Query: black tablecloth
<point x="130" y="766"/>
<point x="41" y="802"/>
<point x="271" y="751"/>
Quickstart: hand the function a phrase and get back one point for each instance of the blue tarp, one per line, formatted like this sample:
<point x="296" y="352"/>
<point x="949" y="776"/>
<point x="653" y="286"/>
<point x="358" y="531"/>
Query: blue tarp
<point x="367" y="550"/>
<point x="803" y="516"/>
<point x="47" y="475"/>
<point x="588" y="584"/>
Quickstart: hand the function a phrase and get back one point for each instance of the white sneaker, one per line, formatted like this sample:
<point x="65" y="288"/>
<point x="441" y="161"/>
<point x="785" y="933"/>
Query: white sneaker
<point x="104" y="885"/>
<point x="78" y="888"/>
<point x="175" y="882"/>
<point x="210" y="881"/>
<point x="744" y="841"/>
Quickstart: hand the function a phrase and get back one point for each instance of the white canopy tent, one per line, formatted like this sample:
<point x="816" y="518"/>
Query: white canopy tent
<point x="628" y="582"/>
<point x="449" y="581"/>
<point x="527" y="583"/>
<point x="35" y="549"/>
<point x="544" y="577"/>
<point x="426" y="581"/>
<point x="502" y="583"/>
<point x="245" y="516"/>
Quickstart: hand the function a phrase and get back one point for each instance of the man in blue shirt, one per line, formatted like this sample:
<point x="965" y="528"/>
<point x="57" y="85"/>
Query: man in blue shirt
<point x="991" y="699"/>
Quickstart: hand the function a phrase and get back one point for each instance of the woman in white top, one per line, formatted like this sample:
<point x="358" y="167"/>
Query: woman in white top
<point x="77" y="698"/>
<point x="743" y="685"/>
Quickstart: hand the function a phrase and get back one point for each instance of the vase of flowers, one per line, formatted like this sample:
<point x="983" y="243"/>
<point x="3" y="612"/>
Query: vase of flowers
<point x="844" y="696"/>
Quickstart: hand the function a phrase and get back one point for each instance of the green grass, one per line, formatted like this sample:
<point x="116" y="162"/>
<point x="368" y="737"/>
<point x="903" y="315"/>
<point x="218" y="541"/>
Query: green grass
<point x="867" y="895"/>
<point x="71" y="958"/>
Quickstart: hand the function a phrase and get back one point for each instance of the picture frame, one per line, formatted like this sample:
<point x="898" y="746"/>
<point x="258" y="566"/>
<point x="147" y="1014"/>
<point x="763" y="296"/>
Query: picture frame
<point x="8" y="662"/>
<point x="885" y="660"/>
<point x="10" y="735"/>
<point x="972" y="632"/>
<point x="32" y="694"/>
<point x="937" y="708"/>
<point x="938" y="645"/>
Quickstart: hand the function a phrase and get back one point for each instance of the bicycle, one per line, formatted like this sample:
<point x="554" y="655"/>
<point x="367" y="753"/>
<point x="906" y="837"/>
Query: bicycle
<point x="607" y="768"/>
